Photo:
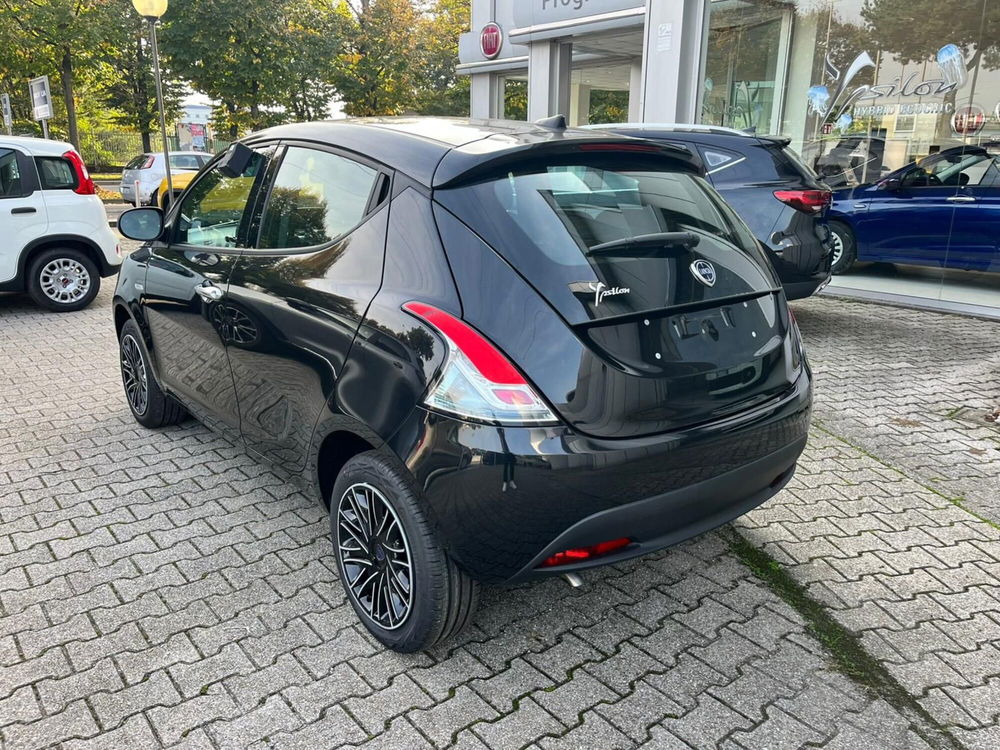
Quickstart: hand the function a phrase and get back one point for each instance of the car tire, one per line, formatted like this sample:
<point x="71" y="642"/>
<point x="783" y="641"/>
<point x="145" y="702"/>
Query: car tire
<point x="63" y="279"/>
<point x="845" y="248"/>
<point x="154" y="199"/>
<point x="150" y="406"/>
<point x="373" y="494"/>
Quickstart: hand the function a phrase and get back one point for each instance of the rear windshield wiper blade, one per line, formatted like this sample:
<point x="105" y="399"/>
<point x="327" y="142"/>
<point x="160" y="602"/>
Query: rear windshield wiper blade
<point x="646" y="242"/>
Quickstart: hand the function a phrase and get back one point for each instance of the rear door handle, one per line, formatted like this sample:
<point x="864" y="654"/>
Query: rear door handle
<point x="24" y="210"/>
<point x="209" y="292"/>
<point x="961" y="199"/>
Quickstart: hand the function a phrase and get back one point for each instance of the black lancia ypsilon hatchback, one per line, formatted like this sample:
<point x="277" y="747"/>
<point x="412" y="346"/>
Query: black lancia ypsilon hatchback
<point x="495" y="350"/>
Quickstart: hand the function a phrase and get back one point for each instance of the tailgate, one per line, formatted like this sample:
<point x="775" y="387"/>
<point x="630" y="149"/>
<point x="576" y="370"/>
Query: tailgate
<point x="678" y="316"/>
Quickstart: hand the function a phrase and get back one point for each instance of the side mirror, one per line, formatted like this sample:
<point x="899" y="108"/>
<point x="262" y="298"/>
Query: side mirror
<point x="141" y="224"/>
<point x="892" y="185"/>
<point x="236" y="160"/>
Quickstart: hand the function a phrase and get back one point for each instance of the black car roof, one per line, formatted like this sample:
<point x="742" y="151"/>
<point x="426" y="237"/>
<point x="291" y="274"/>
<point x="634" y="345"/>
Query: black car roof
<point x="437" y="151"/>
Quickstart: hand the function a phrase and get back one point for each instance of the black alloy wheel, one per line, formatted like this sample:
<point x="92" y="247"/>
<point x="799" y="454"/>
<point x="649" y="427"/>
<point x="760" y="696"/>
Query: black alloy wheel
<point x="134" y="376"/>
<point x="375" y="555"/>
<point x="150" y="406"/>
<point x="402" y="584"/>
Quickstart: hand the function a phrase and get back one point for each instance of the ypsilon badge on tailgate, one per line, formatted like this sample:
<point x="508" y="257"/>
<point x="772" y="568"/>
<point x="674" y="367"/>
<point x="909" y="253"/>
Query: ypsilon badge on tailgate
<point x="597" y="290"/>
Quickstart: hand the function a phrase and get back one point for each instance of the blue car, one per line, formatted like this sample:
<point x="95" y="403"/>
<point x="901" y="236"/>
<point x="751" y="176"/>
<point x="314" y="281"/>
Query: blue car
<point x="942" y="211"/>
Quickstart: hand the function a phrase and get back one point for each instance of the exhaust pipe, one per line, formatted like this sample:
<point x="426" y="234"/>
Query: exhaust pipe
<point x="573" y="580"/>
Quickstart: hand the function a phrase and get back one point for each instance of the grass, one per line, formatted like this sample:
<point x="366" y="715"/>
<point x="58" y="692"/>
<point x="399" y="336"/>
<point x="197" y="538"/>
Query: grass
<point x="848" y="654"/>
<point x="106" y="176"/>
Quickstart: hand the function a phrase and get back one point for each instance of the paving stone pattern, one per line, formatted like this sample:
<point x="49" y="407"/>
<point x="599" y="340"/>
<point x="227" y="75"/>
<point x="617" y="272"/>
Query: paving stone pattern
<point x="163" y="589"/>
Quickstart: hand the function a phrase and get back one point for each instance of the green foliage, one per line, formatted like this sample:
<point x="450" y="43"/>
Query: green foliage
<point x="123" y="65"/>
<point x="401" y="59"/>
<point x="440" y="91"/>
<point x="376" y="74"/>
<point x="608" y="106"/>
<point x="263" y="61"/>
<point x="52" y="37"/>
<point x="515" y="99"/>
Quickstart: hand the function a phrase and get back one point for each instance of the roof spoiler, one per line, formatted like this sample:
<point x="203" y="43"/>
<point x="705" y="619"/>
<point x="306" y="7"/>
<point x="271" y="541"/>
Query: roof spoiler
<point x="777" y="140"/>
<point x="479" y="161"/>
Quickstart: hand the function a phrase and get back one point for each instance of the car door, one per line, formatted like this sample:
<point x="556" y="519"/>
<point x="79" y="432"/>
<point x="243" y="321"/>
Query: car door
<point x="296" y="299"/>
<point x="976" y="228"/>
<point x="23" y="217"/>
<point x="185" y="287"/>
<point x="910" y="223"/>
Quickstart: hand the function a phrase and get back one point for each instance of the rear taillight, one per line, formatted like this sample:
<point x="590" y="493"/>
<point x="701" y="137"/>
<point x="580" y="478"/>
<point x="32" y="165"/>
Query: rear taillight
<point x="148" y="163"/>
<point x="477" y="381"/>
<point x="580" y="554"/>
<point x="84" y="185"/>
<point x="808" y="201"/>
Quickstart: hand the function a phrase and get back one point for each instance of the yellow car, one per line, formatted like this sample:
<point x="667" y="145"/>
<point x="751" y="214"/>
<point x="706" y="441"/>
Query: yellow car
<point x="181" y="180"/>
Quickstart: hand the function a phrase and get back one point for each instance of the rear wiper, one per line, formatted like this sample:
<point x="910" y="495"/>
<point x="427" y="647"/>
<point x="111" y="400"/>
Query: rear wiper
<point x="646" y="242"/>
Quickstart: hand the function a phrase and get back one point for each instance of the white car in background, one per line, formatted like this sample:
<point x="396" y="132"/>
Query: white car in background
<point x="149" y="170"/>
<point x="56" y="241"/>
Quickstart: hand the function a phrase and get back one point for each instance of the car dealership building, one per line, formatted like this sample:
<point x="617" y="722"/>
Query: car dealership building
<point x="860" y="89"/>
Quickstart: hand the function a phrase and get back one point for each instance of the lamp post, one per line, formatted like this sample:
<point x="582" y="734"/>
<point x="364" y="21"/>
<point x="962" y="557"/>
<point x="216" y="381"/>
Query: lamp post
<point x="151" y="10"/>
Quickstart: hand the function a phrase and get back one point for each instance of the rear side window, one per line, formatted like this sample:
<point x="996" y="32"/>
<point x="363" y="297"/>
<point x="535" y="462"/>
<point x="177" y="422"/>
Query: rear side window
<point x="10" y="175"/>
<point x="55" y="173"/>
<point x="725" y="167"/>
<point x="317" y="196"/>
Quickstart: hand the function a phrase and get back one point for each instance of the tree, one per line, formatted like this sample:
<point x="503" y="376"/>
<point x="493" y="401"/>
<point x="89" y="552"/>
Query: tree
<point x="441" y="91"/>
<point x="53" y="34"/>
<point x="125" y="82"/>
<point x="263" y="61"/>
<point x="377" y="73"/>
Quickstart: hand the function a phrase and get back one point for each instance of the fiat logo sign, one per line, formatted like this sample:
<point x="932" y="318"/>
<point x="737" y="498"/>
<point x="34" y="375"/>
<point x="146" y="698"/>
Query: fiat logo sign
<point x="968" y="120"/>
<point x="490" y="40"/>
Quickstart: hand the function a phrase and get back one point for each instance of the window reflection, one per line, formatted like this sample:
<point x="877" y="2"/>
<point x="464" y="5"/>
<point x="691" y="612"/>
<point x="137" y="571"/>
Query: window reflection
<point x="317" y="197"/>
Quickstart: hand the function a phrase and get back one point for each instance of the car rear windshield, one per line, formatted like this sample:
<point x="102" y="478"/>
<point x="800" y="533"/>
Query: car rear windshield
<point x="569" y="226"/>
<point x="795" y="165"/>
<point x="137" y="162"/>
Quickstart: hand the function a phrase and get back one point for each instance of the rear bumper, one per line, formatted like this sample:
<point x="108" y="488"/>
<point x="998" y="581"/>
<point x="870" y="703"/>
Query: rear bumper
<point x="801" y="289"/>
<point x="505" y="499"/>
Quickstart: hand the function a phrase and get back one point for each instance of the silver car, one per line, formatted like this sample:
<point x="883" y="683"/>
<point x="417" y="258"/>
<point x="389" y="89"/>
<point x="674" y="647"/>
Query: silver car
<point x="142" y="176"/>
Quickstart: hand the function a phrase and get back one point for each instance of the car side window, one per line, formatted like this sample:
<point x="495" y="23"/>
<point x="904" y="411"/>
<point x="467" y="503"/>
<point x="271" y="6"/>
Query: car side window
<point x="214" y="207"/>
<point x="185" y="161"/>
<point x="10" y="175"/>
<point x="317" y="196"/>
<point x="724" y="166"/>
<point x="954" y="170"/>
<point x="55" y="173"/>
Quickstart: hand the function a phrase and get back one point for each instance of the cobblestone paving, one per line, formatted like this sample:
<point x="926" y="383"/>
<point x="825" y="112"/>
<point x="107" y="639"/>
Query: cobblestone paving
<point x="912" y="388"/>
<point x="161" y="588"/>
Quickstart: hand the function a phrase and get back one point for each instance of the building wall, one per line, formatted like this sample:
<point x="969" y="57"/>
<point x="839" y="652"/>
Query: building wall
<point x="660" y="67"/>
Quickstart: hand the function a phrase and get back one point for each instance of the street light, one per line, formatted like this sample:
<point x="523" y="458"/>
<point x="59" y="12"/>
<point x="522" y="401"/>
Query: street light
<point x="151" y="10"/>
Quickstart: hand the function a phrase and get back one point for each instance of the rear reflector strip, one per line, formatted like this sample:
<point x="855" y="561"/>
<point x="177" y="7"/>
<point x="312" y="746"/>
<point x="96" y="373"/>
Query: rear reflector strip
<point x="580" y="554"/>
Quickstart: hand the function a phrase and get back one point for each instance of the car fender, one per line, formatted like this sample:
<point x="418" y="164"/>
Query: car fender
<point x="104" y="268"/>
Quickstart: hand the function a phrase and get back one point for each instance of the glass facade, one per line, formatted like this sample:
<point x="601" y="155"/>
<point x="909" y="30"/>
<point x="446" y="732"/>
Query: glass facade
<point x="896" y="105"/>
